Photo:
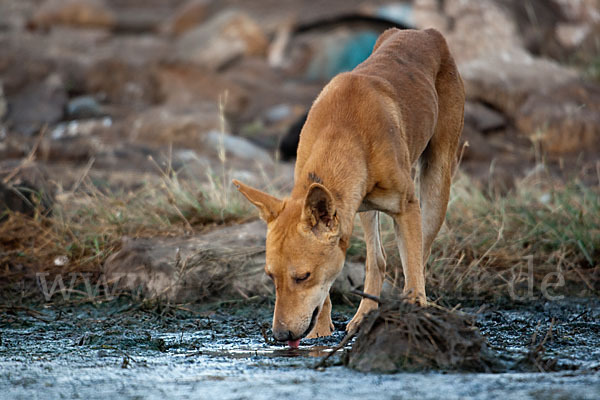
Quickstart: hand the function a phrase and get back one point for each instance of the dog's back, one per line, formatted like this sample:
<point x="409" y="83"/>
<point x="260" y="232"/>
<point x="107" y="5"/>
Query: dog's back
<point x="394" y="100"/>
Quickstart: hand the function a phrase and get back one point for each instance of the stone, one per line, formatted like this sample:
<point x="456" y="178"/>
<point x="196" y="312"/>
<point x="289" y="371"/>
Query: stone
<point x="187" y="16"/>
<point x="482" y="117"/>
<point x="222" y="39"/>
<point x="239" y="147"/>
<point x="120" y="81"/>
<point x="86" y="127"/>
<point x="477" y="146"/>
<point x="36" y="105"/>
<point x="225" y="263"/>
<point x="182" y="85"/>
<point x="505" y="82"/>
<point x="79" y="13"/>
<point x="164" y="125"/>
<point x="572" y="35"/>
<point x="564" y="120"/>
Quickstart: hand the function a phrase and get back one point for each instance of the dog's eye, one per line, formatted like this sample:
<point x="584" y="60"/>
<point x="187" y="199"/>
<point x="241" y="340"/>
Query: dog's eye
<point x="302" y="278"/>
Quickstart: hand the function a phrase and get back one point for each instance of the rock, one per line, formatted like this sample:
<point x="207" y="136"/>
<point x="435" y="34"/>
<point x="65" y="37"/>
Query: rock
<point x="83" y="107"/>
<point x="81" y="128"/>
<point x="183" y="85"/>
<point x="572" y="35"/>
<point x="38" y="104"/>
<point x="458" y="19"/>
<point x="400" y="336"/>
<point x="222" y="39"/>
<point x="506" y="82"/>
<point x="187" y="16"/>
<point x="184" y="127"/>
<point x="483" y="118"/>
<point x="238" y="147"/>
<point x="120" y="81"/>
<point x="221" y="264"/>
<point x="225" y="263"/>
<point x="565" y="120"/>
<point x="479" y="148"/>
<point x="80" y="13"/>
<point x="581" y="10"/>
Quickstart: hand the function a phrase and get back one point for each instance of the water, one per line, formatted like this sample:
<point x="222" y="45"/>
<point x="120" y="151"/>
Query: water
<point x="120" y="351"/>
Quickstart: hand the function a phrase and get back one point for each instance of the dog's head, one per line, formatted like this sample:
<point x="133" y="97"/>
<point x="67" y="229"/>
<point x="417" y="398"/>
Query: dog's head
<point x="304" y="255"/>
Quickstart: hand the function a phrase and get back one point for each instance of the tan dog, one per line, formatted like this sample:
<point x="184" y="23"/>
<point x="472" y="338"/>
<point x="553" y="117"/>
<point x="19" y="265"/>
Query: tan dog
<point x="363" y="136"/>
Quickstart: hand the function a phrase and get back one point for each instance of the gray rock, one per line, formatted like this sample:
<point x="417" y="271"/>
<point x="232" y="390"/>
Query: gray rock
<point x="38" y="104"/>
<point x="566" y="120"/>
<point x="238" y="147"/>
<point x="506" y="81"/>
<point x="225" y="263"/>
<point x="483" y="118"/>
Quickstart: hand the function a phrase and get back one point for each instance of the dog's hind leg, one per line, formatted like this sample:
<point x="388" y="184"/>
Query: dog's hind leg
<point x="438" y="161"/>
<point x="407" y="224"/>
<point x="375" y="266"/>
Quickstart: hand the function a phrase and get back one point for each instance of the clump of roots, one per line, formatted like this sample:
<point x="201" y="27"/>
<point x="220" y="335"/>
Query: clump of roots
<point x="401" y="336"/>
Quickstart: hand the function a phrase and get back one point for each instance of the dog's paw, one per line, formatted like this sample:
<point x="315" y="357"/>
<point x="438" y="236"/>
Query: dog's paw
<point x="352" y="326"/>
<point x="321" y="331"/>
<point x="364" y="308"/>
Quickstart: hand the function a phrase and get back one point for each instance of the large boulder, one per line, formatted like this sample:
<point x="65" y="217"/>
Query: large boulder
<point x="225" y="263"/>
<point x="565" y="120"/>
<point x="506" y="81"/>
<point x="79" y="13"/>
<point x="221" y="40"/>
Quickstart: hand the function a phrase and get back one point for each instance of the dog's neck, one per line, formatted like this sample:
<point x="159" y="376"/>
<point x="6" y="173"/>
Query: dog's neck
<point x="348" y="193"/>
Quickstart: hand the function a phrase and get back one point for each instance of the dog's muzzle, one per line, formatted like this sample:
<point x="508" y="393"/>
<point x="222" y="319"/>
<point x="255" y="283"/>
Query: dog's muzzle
<point x="287" y="335"/>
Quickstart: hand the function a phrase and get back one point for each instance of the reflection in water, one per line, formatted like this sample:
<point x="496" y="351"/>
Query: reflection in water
<point x="270" y="352"/>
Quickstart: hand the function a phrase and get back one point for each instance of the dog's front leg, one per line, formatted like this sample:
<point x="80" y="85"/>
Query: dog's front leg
<point x="374" y="268"/>
<point x="407" y="225"/>
<point x="324" y="325"/>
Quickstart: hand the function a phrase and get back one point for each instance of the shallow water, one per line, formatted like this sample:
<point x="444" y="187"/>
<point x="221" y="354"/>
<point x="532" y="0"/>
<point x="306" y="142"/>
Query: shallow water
<point x="85" y="352"/>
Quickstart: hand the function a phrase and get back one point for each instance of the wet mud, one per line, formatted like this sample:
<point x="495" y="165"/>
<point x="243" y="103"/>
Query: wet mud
<point x="124" y="350"/>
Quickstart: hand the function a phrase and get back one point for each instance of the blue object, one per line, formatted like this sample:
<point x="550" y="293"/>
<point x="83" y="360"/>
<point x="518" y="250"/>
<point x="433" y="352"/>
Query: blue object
<point x="341" y="54"/>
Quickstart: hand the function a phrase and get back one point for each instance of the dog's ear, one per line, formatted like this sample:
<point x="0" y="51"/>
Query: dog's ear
<point x="319" y="213"/>
<point x="268" y="206"/>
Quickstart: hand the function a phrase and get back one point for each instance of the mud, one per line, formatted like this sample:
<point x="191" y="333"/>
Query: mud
<point x="124" y="350"/>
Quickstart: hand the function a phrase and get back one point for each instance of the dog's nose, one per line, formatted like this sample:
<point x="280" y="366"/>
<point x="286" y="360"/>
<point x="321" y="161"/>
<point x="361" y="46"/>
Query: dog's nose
<point x="282" y="335"/>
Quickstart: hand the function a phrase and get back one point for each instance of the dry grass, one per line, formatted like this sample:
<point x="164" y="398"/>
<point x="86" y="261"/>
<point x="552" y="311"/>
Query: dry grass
<point x="490" y="247"/>
<point x="497" y="246"/>
<point x="86" y="226"/>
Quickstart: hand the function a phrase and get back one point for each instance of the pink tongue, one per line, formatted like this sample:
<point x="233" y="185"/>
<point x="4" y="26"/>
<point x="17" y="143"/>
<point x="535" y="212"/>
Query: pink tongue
<point x="294" y="343"/>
